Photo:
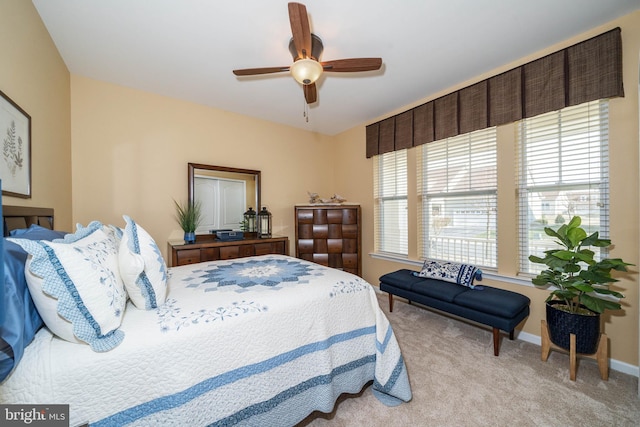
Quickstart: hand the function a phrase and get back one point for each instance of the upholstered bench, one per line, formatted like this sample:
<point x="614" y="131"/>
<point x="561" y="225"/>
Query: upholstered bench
<point x="498" y="308"/>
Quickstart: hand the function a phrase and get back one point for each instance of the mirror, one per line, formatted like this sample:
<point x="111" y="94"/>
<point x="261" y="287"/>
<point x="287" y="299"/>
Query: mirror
<point x="224" y="194"/>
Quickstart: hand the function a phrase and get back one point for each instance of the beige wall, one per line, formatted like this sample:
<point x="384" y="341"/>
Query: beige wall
<point x="130" y="150"/>
<point x="622" y="326"/>
<point x="34" y="76"/>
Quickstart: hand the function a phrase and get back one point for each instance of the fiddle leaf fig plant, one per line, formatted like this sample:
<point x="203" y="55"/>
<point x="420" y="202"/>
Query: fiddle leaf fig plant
<point x="577" y="278"/>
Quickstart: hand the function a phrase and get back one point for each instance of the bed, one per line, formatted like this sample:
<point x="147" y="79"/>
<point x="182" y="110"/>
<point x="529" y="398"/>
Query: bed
<point x="263" y="340"/>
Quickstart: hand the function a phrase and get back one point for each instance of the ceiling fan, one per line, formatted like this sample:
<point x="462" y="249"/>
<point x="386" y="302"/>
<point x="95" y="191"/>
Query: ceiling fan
<point x="306" y="49"/>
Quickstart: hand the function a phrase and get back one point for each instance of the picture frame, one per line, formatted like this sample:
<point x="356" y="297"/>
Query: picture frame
<point x="15" y="156"/>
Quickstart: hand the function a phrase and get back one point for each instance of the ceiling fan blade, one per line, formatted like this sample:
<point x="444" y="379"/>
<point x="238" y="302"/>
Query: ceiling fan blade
<point x="352" y="65"/>
<point x="306" y="49"/>
<point x="300" y="29"/>
<point x="310" y="93"/>
<point x="264" y="70"/>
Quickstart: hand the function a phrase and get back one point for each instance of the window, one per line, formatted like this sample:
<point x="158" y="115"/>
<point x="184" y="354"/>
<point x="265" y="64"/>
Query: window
<point x="457" y="194"/>
<point x="390" y="198"/>
<point x="563" y="172"/>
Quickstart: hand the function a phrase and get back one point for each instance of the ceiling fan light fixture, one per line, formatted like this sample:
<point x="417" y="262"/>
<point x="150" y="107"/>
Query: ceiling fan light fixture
<point x="306" y="49"/>
<point x="306" y="71"/>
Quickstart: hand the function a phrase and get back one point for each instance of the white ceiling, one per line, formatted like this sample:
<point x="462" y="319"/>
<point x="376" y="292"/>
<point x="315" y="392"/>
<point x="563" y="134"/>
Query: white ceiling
<point x="186" y="49"/>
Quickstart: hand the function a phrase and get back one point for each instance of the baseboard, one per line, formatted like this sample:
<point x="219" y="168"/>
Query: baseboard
<point x="614" y="364"/>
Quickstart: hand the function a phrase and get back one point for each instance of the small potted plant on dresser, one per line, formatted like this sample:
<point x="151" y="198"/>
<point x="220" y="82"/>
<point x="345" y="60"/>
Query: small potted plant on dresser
<point x="188" y="216"/>
<point x="580" y="286"/>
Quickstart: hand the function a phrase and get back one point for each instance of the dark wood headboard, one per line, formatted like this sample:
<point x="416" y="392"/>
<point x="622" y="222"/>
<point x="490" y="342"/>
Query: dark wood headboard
<point x="14" y="217"/>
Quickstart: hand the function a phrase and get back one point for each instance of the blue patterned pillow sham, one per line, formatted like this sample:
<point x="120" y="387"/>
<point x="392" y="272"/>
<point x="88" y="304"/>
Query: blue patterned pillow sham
<point x="21" y="320"/>
<point x="462" y="274"/>
<point x="142" y="267"/>
<point x="76" y="286"/>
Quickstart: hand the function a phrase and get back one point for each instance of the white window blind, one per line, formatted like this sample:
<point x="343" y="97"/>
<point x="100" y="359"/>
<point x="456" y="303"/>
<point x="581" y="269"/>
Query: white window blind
<point x="457" y="193"/>
<point x="390" y="198"/>
<point x="563" y="172"/>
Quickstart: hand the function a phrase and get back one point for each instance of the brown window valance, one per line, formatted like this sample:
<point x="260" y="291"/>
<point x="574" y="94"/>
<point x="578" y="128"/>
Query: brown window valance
<point x="584" y="72"/>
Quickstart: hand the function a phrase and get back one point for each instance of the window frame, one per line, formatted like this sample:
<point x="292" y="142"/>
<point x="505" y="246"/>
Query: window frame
<point x="476" y="143"/>
<point x="596" y="115"/>
<point x="384" y="241"/>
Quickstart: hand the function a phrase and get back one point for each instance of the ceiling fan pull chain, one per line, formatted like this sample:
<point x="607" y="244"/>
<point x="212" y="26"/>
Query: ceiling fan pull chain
<point x="305" y="112"/>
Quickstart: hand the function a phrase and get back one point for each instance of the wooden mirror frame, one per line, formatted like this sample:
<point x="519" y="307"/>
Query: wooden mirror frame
<point x="193" y="167"/>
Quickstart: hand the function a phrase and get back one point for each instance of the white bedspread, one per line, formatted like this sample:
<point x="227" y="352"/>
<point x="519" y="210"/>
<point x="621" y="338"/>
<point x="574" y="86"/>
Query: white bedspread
<point x="261" y="341"/>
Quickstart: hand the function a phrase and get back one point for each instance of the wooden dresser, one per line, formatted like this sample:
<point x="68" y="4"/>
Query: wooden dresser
<point x="330" y="235"/>
<point x="212" y="250"/>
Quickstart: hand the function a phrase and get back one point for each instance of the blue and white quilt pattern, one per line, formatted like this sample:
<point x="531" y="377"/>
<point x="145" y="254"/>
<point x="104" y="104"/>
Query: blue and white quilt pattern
<point x="253" y="341"/>
<point x="257" y="271"/>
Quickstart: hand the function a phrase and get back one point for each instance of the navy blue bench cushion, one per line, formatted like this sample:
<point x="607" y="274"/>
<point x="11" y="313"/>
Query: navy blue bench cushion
<point x="495" y="307"/>
<point x="404" y="279"/>
<point x="485" y="299"/>
<point x="498" y="302"/>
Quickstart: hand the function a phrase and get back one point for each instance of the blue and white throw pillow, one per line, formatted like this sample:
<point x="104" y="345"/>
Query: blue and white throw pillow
<point x="76" y="286"/>
<point x="462" y="274"/>
<point x="142" y="267"/>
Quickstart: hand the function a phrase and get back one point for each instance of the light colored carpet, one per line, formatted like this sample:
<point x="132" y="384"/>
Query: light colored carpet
<point x="457" y="381"/>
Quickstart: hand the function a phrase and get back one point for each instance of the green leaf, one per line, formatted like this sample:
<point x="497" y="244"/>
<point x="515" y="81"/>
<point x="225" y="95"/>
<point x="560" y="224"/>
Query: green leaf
<point x="598" y="305"/>
<point x="551" y="232"/>
<point x="586" y="253"/>
<point x="593" y="304"/>
<point x="583" y="287"/>
<point x="575" y="222"/>
<point x="565" y="294"/>
<point x="593" y="276"/>
<point x="564" y="255"/>
<point x="561" y="234"/>
<point x="608" y="292"/>
<point x="594" y="240"/>
<point x="540" y="281"/>
<point x="615" y="263"/>
<point x="572" y="268"/>
<point x="536" y="259"/>
<point x="575" y="236"/>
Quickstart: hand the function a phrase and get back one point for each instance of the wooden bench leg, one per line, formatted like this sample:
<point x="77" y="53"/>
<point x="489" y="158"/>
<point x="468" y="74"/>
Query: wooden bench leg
<point x="390" y="302"/>
<point x="496" y="341"/>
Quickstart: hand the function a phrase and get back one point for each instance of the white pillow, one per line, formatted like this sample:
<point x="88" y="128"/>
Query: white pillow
<point x="462" y="274"/>
<point x="142" y="267"/>
<point x="76" y="286"/>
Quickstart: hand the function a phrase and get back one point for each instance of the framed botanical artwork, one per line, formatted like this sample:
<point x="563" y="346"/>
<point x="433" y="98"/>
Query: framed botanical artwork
<point x="15" y="161"/>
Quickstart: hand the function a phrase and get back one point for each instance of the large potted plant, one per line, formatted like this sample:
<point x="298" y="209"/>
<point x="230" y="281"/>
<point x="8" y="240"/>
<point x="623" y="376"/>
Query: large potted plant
<point x="580" y="286"/>
<point x="188" y="216"/>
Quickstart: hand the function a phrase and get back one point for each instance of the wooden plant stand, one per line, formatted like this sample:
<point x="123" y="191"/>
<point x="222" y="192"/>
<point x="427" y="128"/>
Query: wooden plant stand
<point x="600" y="355"/>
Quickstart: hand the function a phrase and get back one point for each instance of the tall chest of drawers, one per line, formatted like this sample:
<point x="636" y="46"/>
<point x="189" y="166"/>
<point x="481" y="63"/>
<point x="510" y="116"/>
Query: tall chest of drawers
<point x="330" y="235"/>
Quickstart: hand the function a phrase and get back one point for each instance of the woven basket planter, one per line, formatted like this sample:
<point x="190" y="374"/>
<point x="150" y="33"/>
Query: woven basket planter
<point x="562" y="324"/>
